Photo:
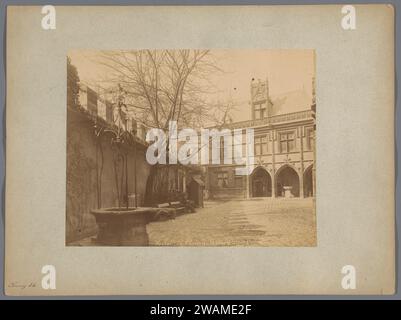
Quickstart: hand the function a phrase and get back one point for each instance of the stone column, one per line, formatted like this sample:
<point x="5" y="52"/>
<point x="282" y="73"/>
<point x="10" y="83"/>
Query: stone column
<point x="247" y="187"/>
<point x="273" y="172"/>
<point x="301" y="184"/>
<point x="301" y="175"/>
<point x="314" y="164"/>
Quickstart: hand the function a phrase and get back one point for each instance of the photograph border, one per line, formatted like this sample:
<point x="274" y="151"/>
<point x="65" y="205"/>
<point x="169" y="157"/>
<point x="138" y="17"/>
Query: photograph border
<point x="397" y="119"/>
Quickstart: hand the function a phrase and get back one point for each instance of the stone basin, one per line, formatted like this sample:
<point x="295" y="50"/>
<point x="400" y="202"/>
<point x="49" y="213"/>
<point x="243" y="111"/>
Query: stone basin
<point x="123" y="226"/>
<point x="287" y="191"/>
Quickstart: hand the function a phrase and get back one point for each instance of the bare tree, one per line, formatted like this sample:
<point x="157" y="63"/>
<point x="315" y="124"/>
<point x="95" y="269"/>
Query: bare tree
<point x="165" y="85"/>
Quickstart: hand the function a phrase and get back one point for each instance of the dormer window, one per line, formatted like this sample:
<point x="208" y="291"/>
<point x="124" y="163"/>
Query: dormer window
<point x="260" y="111"/>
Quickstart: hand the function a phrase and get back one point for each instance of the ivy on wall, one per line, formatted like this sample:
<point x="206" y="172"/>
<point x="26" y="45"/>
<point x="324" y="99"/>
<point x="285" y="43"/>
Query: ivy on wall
<point x="81" y="173"/>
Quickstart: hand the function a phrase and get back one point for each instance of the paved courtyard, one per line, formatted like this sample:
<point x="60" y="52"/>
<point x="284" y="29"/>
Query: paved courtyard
<point x="255" y="222"/>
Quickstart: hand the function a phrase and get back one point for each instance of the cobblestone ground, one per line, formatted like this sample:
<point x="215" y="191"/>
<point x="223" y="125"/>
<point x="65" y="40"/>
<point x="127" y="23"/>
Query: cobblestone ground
<point x="259" y="222"/>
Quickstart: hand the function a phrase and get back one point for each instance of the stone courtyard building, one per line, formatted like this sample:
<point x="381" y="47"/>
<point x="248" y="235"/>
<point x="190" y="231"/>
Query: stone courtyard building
<point x="284" y="143"/>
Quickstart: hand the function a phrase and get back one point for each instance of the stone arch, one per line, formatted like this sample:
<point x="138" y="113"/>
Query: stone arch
<point x="308" y="181"/>
<point x="287" y="182"/>
<point x="260" y="183"/>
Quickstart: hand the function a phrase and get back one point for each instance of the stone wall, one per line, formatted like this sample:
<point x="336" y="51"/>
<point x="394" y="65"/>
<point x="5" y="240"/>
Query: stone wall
<point x="84" y="156"/>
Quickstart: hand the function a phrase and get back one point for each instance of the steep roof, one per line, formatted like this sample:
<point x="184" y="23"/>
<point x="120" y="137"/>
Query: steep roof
<point x="289" y="102"/>
<point x="286" y="102"/>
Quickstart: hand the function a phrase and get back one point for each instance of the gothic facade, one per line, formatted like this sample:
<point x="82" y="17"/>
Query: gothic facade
<point x="284" y="149"/>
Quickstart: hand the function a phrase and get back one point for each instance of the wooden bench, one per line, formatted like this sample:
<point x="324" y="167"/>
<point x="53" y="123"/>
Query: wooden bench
<point x="172" y="210"/>
<point x="166" y="212"/>
<point x="179" y="207"/>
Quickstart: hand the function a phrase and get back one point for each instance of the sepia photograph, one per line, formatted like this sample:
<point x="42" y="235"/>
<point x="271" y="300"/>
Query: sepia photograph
<point x="177" y="150"/>
<point x="191" y="147"/>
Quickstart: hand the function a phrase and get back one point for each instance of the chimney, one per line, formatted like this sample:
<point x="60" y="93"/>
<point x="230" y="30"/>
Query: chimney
<point x="313" y="91"/>
<point x="269" y="106"/>
<point x="313" y="106"/>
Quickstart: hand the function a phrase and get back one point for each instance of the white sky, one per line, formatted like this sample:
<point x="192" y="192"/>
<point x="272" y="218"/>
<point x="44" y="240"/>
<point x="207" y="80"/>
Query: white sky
<point x="287" y="70"/>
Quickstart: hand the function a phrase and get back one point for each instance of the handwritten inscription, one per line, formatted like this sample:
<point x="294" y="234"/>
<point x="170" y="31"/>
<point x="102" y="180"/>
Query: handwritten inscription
<point x="22" y="286"/>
